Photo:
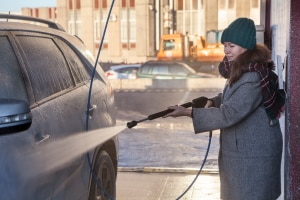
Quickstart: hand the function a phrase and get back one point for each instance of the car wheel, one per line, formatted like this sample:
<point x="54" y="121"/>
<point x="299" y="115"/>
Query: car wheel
<point x="104" y="170"/>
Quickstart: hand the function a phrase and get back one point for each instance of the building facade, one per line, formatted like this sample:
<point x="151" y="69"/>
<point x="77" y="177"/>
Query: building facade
<point x="135" y="27"/>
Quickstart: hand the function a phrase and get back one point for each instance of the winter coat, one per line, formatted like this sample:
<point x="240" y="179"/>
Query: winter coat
<point x="250" y="148"/>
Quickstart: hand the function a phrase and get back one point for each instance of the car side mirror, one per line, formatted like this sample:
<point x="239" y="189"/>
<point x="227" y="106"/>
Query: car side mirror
<point x="15" y="116"/>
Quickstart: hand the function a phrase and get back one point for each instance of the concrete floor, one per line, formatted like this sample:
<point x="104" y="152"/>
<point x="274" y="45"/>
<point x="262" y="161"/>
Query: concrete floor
<point x="167" y="186"/>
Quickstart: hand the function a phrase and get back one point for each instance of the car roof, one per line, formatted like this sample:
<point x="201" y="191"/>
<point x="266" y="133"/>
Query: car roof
<point x="18" y="26"/>
<point x="38" y="27"/>
<point x="163" y="61"/>
<point x="168" y="62"/>
<point x="8" y="18"/>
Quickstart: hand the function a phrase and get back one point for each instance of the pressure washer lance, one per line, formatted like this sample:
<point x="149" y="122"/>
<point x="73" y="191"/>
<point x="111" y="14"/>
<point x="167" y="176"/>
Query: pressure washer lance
<point x="196" y="103"/>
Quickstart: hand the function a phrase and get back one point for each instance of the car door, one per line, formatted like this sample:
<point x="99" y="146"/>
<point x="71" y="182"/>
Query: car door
<point x="12" y="86"/>
<point x="60" y="99"/>
<point x="100" y="108"/>
<point x="16" y="147"/>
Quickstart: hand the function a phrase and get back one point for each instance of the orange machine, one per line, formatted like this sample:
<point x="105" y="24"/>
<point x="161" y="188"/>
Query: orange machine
<point x="193" y="50"/>
<point x="178" y="47"/>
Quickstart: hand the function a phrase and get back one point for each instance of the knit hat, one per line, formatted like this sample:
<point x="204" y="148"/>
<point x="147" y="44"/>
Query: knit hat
<point x="241" y="32"/>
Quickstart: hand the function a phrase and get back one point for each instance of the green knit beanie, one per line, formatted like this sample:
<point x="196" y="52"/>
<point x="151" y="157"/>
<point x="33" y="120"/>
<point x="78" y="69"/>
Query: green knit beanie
<point x="241" y="32"/>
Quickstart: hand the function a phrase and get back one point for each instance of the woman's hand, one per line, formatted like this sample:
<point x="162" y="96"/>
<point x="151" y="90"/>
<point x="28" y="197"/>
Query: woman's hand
<point x="209" y="103"/>
<point x="179" y="111"/>
<point x="182" y="111"/>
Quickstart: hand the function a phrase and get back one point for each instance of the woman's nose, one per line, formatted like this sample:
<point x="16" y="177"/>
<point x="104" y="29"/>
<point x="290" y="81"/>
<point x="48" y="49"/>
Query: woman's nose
<point x="226" y="50"/>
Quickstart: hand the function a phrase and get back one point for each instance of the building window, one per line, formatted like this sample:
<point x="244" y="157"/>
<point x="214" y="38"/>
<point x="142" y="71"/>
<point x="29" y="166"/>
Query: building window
<point x="255" y="4"/>
<point x="190" y="17"/>
<point x="74" y="19"/>
<point x="128" y="24"/>
<point x="195" y="5"/>
<point x="78" y="5"/>
<point x="96" y="4"/>
<point x="50" y="13"/>
<point x="70" y="4"/>
<point x="180" y="5"/>
<point x="222" y="4"/>
<point x="100" y="17"/>
<point x="255" y="12"/>
<point x="226" y="13"/>
<point x="231" y="4"/>
<point x="226" y="4"/>
<point x="36" y="12"/>
<point x="104" y="3"/>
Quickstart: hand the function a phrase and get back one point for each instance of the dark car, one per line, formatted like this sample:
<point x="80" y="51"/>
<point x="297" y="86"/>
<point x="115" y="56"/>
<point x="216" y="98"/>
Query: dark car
<point x="169" y="70"/>
<point x="45" y="77"/>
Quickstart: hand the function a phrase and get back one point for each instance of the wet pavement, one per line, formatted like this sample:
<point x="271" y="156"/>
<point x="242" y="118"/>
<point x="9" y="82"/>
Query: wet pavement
<point x="159" y="160"/>
<point x="167" y="186"/>
<point x="169" y="142"/>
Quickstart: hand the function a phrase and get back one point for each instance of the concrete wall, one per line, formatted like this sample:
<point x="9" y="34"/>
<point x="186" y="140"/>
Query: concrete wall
<point x="199" y="83"/>
<point x="292" y="106"/>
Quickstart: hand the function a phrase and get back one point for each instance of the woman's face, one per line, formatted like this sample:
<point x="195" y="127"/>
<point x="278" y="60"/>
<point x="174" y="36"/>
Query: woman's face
<point x="232" y="51"/>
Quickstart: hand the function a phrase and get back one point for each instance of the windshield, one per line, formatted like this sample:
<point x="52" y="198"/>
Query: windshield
<point x="169" y="44"/>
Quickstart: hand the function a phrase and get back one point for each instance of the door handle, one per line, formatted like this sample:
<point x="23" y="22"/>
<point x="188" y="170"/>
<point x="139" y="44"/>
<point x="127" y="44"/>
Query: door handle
<point x="41" y="138"/>
<point x="92" y="108"/>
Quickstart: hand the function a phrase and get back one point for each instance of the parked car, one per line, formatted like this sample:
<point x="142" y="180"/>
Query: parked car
<point x="45" y="77"/>
<point x="126" y="71"/>
<point x="169" y="70"/>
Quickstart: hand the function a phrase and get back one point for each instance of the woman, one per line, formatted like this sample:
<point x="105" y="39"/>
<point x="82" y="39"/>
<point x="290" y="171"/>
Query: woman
<point x="247" y="113"/>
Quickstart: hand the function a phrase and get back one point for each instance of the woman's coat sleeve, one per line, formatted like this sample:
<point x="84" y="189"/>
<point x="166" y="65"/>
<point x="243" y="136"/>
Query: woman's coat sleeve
<point x="238" y="101"/>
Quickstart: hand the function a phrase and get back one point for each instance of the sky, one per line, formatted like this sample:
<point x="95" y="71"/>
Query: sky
<point x="16" y="5"/>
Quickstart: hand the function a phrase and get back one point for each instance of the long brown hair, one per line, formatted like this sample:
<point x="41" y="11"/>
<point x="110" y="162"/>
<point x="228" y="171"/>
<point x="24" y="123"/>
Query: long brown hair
<point x="260" y="55"/>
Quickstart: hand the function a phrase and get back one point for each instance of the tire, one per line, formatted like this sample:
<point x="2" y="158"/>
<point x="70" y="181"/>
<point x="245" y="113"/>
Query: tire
<point x="104" y="170"/>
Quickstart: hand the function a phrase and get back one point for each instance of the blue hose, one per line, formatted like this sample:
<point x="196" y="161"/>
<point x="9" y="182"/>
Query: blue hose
<point x="89" y="104"/>
<point x="202" y="165"/>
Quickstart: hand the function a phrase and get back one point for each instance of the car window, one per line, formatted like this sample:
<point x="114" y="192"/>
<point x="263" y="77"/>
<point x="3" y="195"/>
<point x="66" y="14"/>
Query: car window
<point x="127" y="70"/>
<point x="121" y="70"/>
<point x="92" y="60"/>
<point x="146" y="69"/>
<point x="78" y="69"/>
<point x="47" y="67"/>
<point x="160" y="69"/>
<point x="169" y="44"/>
<point x="12" y="84"/>
<point x="178" y="70"/>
